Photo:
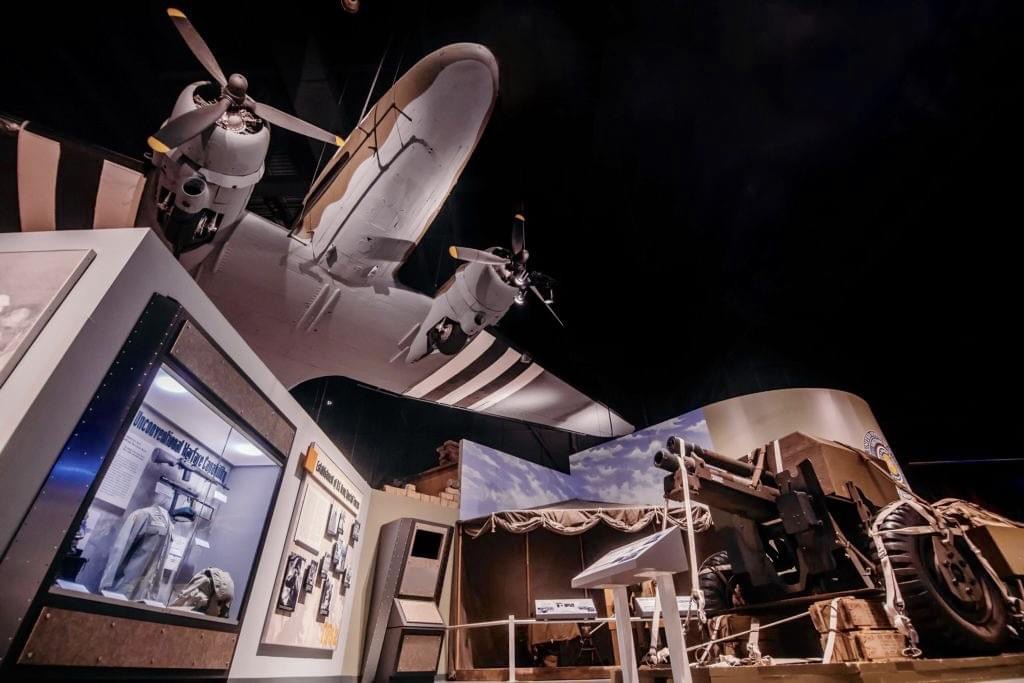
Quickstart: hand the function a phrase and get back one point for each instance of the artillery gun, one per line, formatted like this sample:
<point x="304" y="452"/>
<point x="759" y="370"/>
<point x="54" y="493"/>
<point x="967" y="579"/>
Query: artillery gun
<point x="804" y="516"/>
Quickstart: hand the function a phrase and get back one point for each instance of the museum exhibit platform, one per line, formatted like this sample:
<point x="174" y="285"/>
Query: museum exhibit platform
<point x="383" y="342"/>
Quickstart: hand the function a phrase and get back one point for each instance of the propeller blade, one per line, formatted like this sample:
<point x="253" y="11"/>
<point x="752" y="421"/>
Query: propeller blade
<point x="476" y="256"/>
<point x="185" y="127"/>
<point x="293" y="123"/>
<point x="539" y="278"/>
<point x="536" y="292"/>
<point x="196" y="43"/>
<point x="518" y="234"/>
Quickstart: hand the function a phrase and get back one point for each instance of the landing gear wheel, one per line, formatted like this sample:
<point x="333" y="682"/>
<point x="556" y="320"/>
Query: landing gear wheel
<point x="447" y="337"/>
<point x="950" y="599"/>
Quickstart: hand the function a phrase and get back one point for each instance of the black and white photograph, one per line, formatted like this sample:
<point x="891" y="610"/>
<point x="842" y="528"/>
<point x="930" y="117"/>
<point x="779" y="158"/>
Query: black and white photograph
<point x="291" y="583"/>
<point x="332" y="520"/>
<point x="326" y="597"/>
<point x="32" y="286"/>
<point x="309" y="577"/>
<point x="338" y="553"/>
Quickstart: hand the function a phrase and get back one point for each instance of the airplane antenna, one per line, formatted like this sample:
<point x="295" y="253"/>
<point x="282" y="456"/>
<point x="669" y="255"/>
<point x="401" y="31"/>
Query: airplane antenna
<point x="373" y="86"/>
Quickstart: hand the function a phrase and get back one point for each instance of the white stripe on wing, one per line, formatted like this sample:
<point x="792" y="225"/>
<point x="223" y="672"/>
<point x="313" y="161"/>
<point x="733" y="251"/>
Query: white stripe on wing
<point x="507" y="360"/>
<point x="38" y="158"/>
<point x="457" y="364"/>
<point x="531" y="373"/>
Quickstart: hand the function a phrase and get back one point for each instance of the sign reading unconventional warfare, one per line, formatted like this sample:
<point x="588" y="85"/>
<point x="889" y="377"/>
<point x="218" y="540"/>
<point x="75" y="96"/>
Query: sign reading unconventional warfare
<point x="151" y="432"/>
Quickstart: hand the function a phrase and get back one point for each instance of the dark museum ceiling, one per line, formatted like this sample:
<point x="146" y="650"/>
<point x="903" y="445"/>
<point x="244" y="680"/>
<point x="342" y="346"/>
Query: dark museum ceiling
<point x="734" y="196"/>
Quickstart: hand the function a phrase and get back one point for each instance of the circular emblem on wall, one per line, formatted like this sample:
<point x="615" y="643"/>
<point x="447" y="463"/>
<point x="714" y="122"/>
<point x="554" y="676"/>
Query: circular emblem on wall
<point x="876" y="446"/>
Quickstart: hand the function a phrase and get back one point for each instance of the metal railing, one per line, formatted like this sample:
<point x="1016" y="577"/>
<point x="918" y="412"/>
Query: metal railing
<point x="512" y="622"/>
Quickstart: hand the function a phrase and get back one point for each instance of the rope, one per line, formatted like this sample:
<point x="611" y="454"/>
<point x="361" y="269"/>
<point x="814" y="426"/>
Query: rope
<point x="696" y="594"/>
<point x="334" y="119"/>
<point x="762" y="627"/>
<point x="373" y="85"/>
<point x="833" y="622"/>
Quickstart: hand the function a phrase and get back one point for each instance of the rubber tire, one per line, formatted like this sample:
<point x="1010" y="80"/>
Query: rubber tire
<point x="711" y="583"/>
<point x="942" y="629"/>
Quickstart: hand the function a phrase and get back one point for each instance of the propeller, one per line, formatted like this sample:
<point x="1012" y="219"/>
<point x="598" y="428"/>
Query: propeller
<point x="477" y="256"/>
<point x="513" y="262"/>
<point x="232" y="98"/>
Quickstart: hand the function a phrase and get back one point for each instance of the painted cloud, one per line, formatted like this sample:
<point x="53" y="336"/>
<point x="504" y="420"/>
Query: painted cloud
<point x="620" y="471"/>
<point x="493" y="481"/>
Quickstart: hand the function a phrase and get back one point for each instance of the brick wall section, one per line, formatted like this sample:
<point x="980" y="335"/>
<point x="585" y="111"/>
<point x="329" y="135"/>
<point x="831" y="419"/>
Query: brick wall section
<point x="448" y="498"/>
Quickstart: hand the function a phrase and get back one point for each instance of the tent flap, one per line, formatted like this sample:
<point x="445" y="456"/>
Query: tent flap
<point x="573" y="522"/>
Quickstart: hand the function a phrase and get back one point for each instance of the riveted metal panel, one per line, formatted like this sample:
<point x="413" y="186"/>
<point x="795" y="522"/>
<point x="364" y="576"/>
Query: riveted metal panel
<point x="63" y="637"/>
<point x="208" y="364"/>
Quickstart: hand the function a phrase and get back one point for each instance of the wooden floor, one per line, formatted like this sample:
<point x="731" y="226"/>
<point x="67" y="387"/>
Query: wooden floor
<point x="1009" y="667"/>
<point x="558" y="673"/>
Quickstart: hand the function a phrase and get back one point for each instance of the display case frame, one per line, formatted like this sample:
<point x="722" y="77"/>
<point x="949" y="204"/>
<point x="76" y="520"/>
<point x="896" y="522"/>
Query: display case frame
<point x="31" y="563"/>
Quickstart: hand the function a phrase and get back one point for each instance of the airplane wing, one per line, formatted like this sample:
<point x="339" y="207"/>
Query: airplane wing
<point x="492" y="376"/>
<point x="381" y="190"/>
<point x="51" y="183"/>
<point x="305" y="324"/>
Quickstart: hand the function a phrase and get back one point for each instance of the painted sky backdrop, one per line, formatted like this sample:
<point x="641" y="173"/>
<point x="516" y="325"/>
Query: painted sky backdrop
<point x="619" y="471"/>
<point x="623" y="471"/>
<point x="493" y="481"/>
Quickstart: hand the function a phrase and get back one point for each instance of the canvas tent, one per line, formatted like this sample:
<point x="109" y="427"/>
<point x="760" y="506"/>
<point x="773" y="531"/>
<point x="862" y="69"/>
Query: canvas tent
<point x="506" y="560"/>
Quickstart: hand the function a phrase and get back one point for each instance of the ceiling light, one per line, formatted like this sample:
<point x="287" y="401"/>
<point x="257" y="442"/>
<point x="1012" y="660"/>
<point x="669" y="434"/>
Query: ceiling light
<point x="169" y="384"/>
<point x="248" y="449"/>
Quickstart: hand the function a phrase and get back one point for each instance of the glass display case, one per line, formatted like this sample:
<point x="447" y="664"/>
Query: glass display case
<point x="177" y="516"/>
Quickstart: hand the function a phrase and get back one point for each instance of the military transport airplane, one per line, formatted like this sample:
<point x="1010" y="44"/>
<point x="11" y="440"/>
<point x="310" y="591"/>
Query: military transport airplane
<point x="321" y="299"/>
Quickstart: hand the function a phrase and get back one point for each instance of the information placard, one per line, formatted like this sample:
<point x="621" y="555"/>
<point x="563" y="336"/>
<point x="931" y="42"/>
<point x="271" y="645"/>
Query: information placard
<point x="318" y="554"/>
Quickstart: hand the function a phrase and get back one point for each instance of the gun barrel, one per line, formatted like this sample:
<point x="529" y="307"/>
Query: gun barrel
<point x="702" y="462"/>
<point x="666" y="460"/>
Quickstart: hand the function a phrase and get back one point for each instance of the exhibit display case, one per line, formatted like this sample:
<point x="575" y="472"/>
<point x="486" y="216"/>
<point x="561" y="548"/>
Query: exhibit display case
<point x="151" y="469"/>
<point x="176" y="518"/>
<point x="157" y="507"/>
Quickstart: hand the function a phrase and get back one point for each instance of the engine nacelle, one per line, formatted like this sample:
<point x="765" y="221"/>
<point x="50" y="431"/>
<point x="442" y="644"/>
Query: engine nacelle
<point x="202" y="186"/>
<point x="475" y="297"/>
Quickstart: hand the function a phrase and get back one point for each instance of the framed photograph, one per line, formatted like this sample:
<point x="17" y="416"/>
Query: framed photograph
<point x="340" y="528"/>
<point x="32" y="285"/>
<point x="338" y="552"/>
<point x="325" y="598"/>
<point x="325" y="566"/>
<point x="332" y="521"/>
<point x="291" y="584"/>
<point x="309" y="580"/>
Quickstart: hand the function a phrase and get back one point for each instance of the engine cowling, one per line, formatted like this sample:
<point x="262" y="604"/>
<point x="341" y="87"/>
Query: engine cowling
<point x="475" y="297"/>
<point x="203" y="186"/>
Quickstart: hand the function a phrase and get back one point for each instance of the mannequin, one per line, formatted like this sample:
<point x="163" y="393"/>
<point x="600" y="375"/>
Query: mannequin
<point x="137" y="558"/>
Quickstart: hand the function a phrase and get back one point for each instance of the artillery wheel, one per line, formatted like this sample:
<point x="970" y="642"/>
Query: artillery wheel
<point x="951" y="600"/>
<point x="716" y="581"/>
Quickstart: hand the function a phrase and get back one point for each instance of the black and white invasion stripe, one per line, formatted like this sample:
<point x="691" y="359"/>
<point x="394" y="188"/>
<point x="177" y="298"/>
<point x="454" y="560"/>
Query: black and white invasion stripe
<point x="51" y="183"/>
<point x="486" y="371"/>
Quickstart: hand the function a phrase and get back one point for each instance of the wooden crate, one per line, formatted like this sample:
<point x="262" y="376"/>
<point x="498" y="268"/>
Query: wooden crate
<point x="868" y="645"/>
<point x="863" y="630"/>
<point x="852" y="614"/>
